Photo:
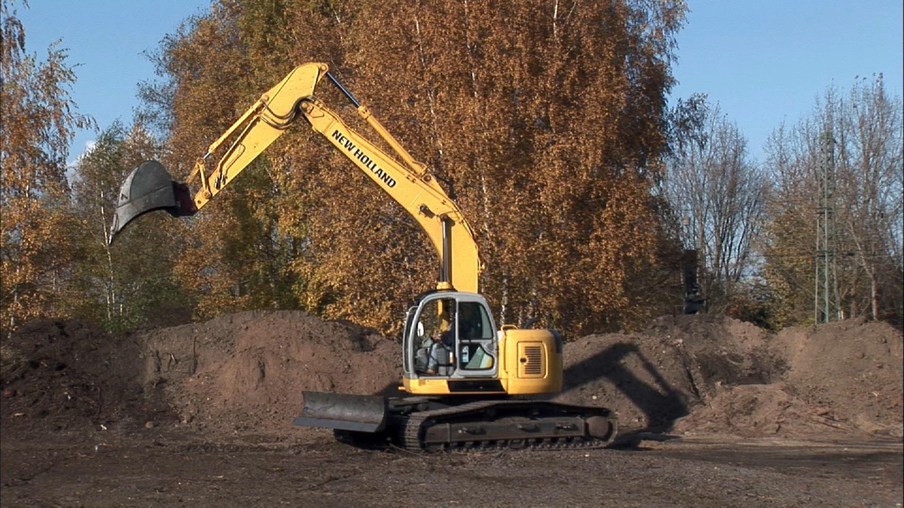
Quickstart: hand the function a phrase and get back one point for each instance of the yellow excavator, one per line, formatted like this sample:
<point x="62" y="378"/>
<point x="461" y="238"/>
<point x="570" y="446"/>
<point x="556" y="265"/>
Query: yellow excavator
<point x="468" y="384"/>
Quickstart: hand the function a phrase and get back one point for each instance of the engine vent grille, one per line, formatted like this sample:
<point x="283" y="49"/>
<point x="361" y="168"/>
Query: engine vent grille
<point x="532" y="361"/>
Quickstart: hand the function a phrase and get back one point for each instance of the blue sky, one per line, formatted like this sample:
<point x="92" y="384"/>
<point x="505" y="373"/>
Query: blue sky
<point x="763" y="61"/>
<point x="766" y="61"/>
<point x="108" y="41"/>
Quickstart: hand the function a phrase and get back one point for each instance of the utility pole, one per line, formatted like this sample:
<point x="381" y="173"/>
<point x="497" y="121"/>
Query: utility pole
<point x="825" y="294"/>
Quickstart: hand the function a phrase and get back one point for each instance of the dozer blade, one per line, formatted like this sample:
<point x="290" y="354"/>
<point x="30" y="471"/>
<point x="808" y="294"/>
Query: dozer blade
<point x="359" y="413"/>
<point x="149" y="187"/>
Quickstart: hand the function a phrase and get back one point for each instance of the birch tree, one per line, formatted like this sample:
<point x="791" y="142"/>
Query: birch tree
<point x="857" y="137"/>
<point x="39" y="121"/>
<point x="717" y="195"/>
<point x="127" y="284"/>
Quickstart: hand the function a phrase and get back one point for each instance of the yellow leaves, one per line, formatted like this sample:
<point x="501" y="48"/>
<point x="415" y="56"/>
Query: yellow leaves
<point x="38" y="119"/>
<point x="540" y="121"/>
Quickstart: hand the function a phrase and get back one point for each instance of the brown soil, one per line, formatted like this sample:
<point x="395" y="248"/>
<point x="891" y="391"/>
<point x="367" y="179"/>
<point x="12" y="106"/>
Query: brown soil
<point x="693" y="391"/>
<point x="704" y="374"/>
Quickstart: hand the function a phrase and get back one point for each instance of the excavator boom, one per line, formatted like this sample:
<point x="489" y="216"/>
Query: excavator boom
<point x="149" y="187"/>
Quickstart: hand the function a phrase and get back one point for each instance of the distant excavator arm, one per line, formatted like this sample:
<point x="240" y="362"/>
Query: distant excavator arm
<point x="409" y="183"/>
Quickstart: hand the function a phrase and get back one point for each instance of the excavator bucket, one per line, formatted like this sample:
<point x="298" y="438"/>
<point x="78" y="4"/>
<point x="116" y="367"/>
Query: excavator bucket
<point x="358" y="413"/>
<point x="149" y="187"/>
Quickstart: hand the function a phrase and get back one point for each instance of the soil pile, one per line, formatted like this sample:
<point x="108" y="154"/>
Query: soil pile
<point x="244" y="373"/>
<point x="69" y="375"/>
<point x="707" y="374"/>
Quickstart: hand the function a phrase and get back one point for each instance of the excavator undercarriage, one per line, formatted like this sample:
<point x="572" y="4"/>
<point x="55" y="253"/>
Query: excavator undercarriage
<point x="442" y="424"/>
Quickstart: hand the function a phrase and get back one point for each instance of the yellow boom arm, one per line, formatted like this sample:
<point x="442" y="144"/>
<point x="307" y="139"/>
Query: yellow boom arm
<point x="409" y="183"/>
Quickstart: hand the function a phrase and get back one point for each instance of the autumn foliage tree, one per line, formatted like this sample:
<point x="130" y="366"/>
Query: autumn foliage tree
<point x="545" y="120"/>
<point x="38" y="122"/>
<point x="234" y="255"/>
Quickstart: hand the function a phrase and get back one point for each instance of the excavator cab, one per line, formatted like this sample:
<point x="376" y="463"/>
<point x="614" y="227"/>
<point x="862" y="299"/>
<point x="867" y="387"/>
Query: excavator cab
<point x="449" y="335"/>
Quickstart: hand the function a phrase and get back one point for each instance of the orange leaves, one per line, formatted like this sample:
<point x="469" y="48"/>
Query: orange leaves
<point x="38" y="120"/>
<point x="542" y="120"/>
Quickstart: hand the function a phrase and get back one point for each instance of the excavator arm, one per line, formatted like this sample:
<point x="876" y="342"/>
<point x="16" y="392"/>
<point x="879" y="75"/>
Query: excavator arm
<point x="409" y="182"/>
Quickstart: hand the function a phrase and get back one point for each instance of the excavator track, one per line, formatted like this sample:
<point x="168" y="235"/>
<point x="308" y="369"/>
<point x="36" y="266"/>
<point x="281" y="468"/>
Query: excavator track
<point x="506" y="424"/>
<point x="441" y="424"/>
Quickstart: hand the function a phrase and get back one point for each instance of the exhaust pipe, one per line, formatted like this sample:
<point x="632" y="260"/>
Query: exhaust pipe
<point x="149" y="187"/>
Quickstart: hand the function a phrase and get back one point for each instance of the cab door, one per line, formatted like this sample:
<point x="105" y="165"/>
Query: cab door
<point x="467" y="338"/>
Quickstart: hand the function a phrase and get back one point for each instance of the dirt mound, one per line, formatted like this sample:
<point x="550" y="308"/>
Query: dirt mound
<point x="67" y="375"/>
<point x="713" y="374"/>
<point x="759" y="410"/>
<point x="827" y="380"/>
<point x="642" y="379"/>
<point x="663" y="373"/>
<point x="850" y="371"/>
<point x="244" y="373"/>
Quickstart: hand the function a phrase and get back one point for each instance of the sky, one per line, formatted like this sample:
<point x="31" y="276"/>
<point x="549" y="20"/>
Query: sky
<point x="108" y="41"/>
<point x="764" y="62"/>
